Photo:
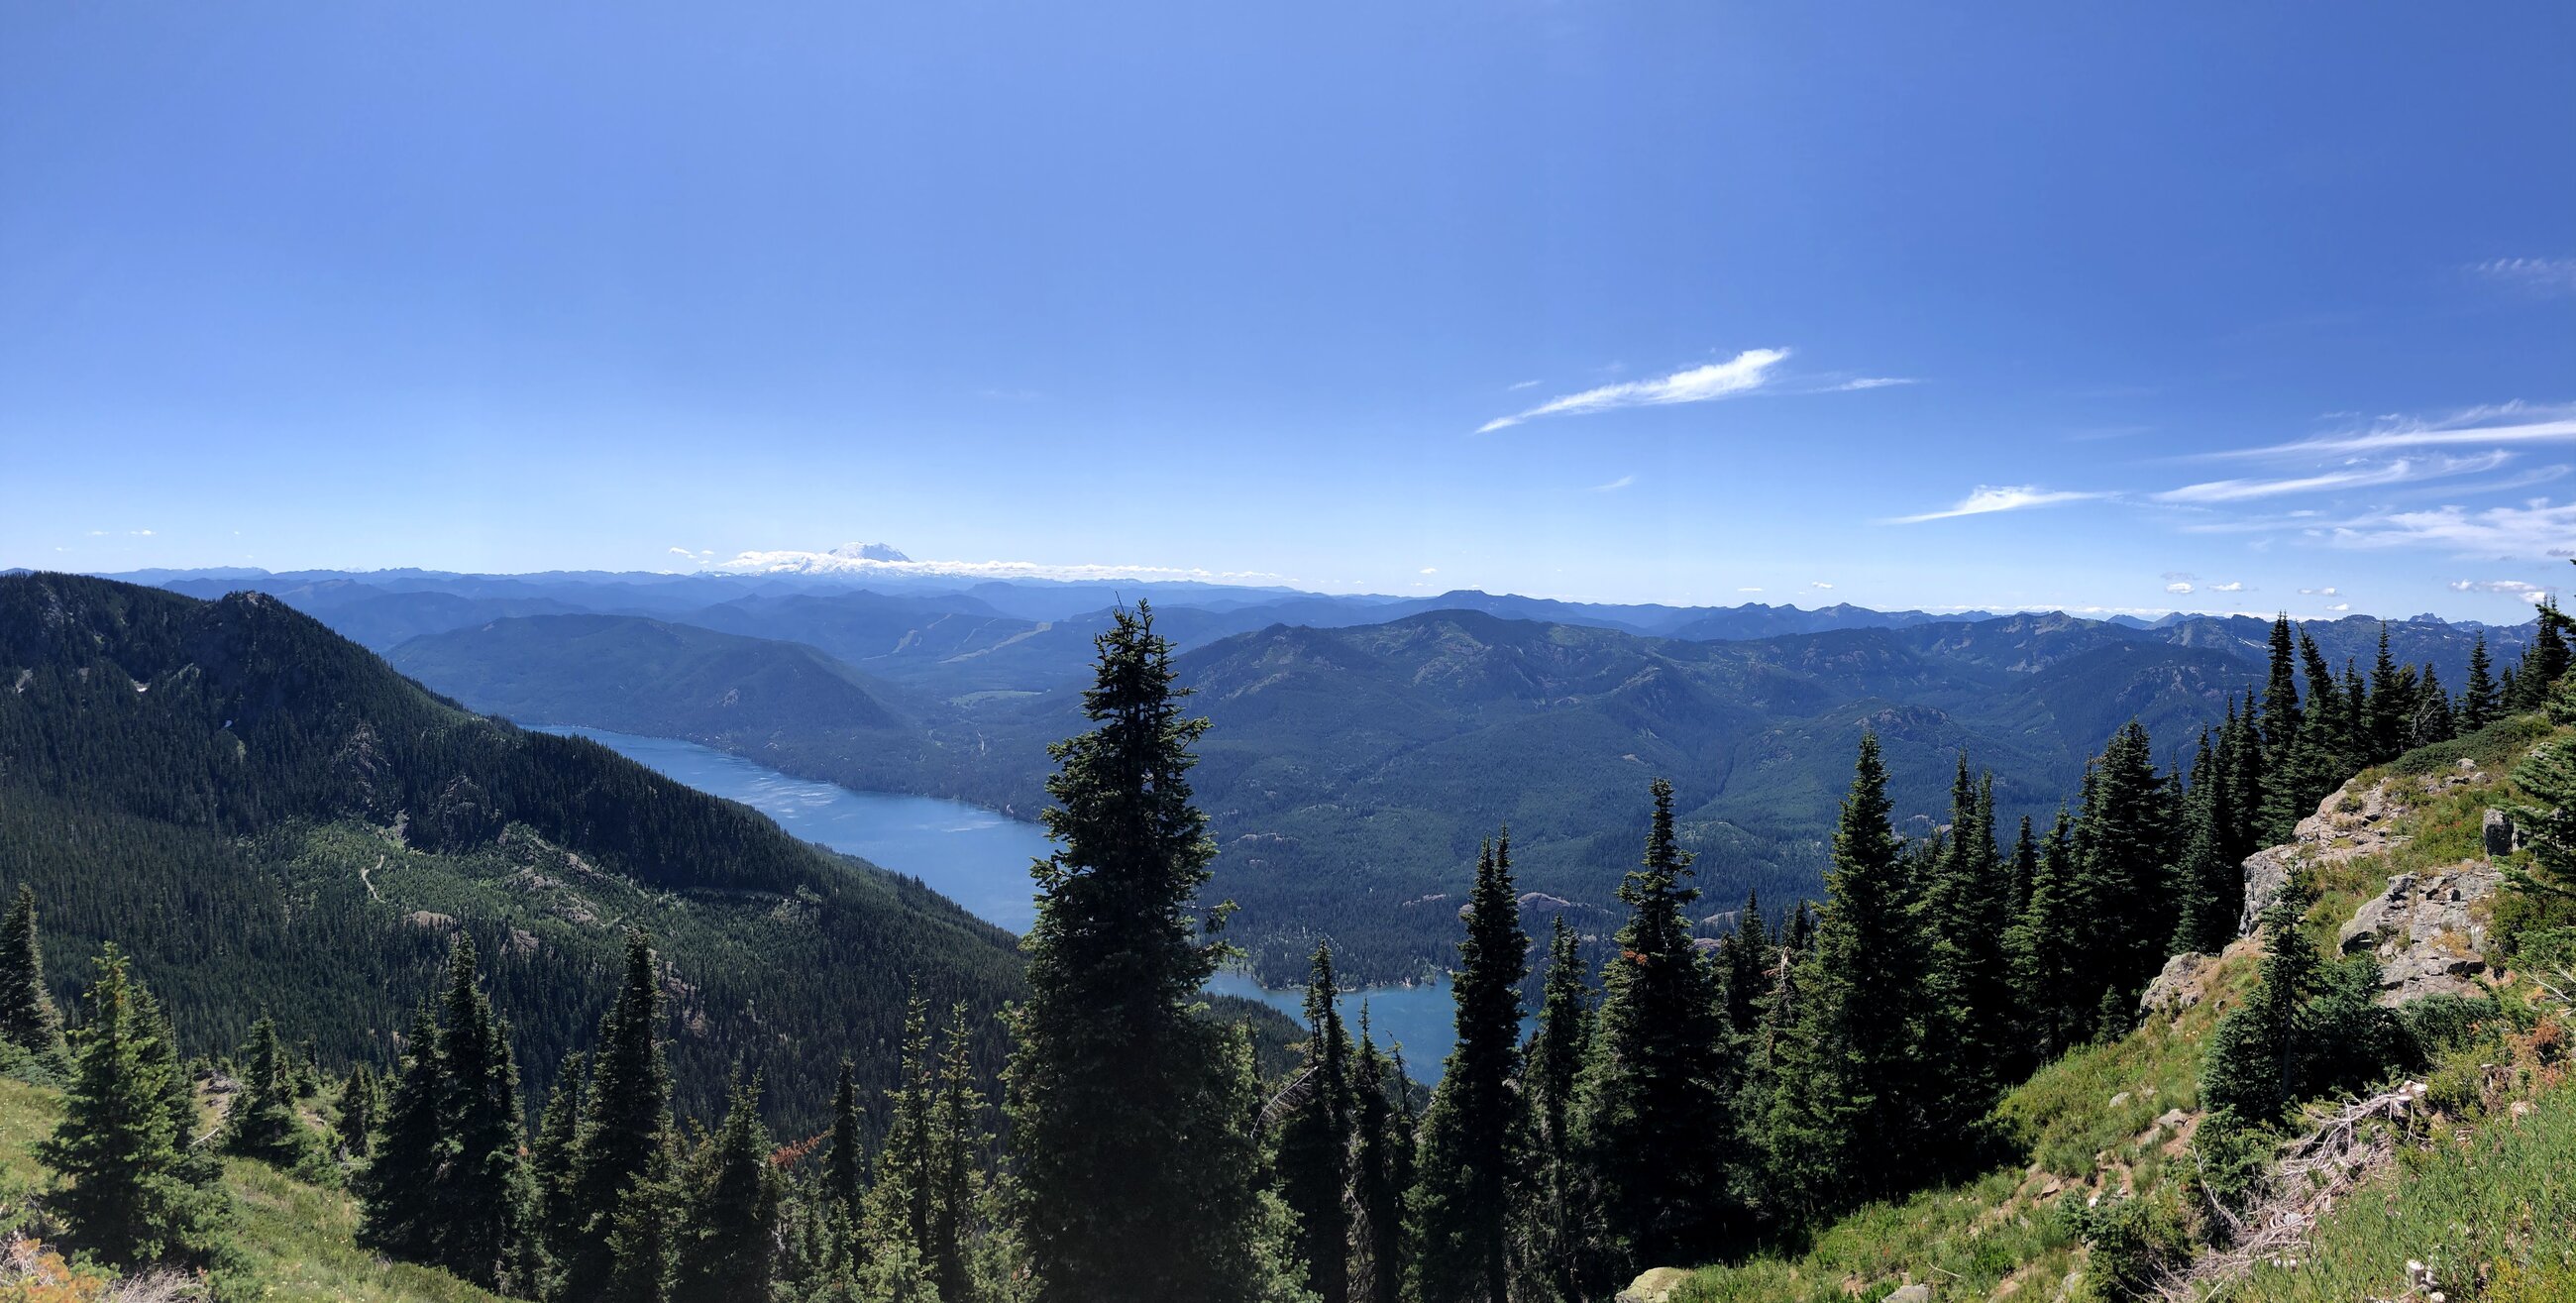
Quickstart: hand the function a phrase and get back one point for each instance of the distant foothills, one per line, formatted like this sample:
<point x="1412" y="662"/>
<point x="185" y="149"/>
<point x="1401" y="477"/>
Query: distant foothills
<point x="1364" y="744"/>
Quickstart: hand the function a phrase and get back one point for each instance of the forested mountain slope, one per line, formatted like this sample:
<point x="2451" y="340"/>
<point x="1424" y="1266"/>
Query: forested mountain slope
<point x="267" y="816"/>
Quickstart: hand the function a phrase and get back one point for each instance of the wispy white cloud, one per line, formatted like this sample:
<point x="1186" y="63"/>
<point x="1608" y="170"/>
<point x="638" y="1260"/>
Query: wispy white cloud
<point x="2533" y="593"/>
<point x="2358" y="475"/>
<point x="2536" y="275"/>
<point x="2340" y="607"/>
<point x="2320" y="592"/>
<point x="1818" y="583"/>
<point x="1991" y="498"/>
<point x="2502" y="423"/>
<point x="2530" y="529"/>
<point x="1748" y="590"/>
<point x="2231" y="586"/>
<point x="2178" y="586"/>
<point x="1430" y="570"/>
<point x="1614" y="485"/>
<point x="1518" y="385"/>
<point x="1741" y="374"/>
<point x="841" y="563"/>
<point x="1872" y="382"/>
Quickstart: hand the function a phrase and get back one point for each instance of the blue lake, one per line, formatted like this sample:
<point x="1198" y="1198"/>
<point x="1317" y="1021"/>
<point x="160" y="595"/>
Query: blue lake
<point x="980" y="859"/>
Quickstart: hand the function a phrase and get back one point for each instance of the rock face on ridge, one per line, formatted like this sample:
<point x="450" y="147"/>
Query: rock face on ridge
<point x="2350" y="823"/>
<point x="2429" y="930"/>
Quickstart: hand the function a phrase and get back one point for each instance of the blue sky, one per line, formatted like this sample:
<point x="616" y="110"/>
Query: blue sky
<point x="1690" y="302"/>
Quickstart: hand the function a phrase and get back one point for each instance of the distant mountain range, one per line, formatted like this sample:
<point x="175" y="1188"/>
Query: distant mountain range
<point x="1362" y="745"/>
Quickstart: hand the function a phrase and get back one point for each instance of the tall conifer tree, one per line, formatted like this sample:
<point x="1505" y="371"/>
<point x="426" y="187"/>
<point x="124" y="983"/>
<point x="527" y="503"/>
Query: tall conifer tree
<point x="1315" y="1141"/>
<point x="845" y="1164"/>
<point x="484" y="1186"/>
<point x="262" y="1123"/>
<point x="1462" y="1179"/>
<point x="1382" y="1169"/>
<point x="1654" y="1120"/>
<point x="397" y="1215"/>
<point x="1138" y="1175"/>
<point x="130" y="1192"/>
<point x="626" y="1113"/>
<point x="1845" y="1116"/>
<point x="361" y="1104"/>
<point x="1971" y="1046"/>
<point x="2478" y="700"/>
<point x="28" y="1022"/>
<point x="2123" y="890"/>
<point x="730" y="1207"/>
<point x="1549" y="1201"/>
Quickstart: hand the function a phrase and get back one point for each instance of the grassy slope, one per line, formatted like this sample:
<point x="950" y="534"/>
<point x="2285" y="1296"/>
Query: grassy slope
<point x="2089" y="1122"/>
<point x="298" y="1241"/>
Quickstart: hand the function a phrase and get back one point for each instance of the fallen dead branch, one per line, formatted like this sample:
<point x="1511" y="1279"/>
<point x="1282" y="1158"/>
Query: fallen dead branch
<point x="2313" y="1173"/>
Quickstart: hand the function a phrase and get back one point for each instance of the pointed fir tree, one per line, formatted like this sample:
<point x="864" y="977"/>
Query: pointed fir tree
<point x="1137" y="1173"/>
<point x="1381" y="1169"/>
<point x="900" y="1203"/>
<point x="262" y="1123"/>
<point x="28" y="1022"/>
<point x="845" y="1163"/>
<point x="1314" y="1147"/>
<point x="2390" y="711"/>
<point x="361" y="1103"/>
<point x="1741" y="957"/>
<point x="1550" y="1241"/>
<point x="1972" y="1049"/>
<point x="1459" y="1203"/>
<point x="1845" y="1116"/>
<point x="2251" y="1070"/>
<point x="2547" y="824"/>
<point x="130" y="1192"/>
<point x="397" y="1214"/>
<point x="482" y="1190"/>
<point x="2123" y="892"/>
<point x="2041" y="948"/>
<point x="2241" y="747"/>
<point x="2281" y="712"/>
<point x="640" y="1246"/>
<point x="730" y="1211"/>
<point x="2479" y="704"/>
<point x="551" y="1160"/>
<point x="954" y="1167"/>
<point x="625" y="1118"/>
<point x="2543" y="663"/>
<point x="2433" y="721"/>
<point x="2025" y="867"/>
<point x="1654" y="1121"/>
<point x="2207" y="885"/>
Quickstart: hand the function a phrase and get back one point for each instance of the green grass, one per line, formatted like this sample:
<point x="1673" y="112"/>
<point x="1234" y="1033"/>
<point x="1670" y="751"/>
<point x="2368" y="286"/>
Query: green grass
<point x="2492" y="1212"/>
<point x="297" y="1242"/>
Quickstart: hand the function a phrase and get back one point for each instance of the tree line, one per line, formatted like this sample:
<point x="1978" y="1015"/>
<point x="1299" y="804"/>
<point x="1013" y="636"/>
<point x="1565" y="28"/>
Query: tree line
<point x="1686" y="1099"/>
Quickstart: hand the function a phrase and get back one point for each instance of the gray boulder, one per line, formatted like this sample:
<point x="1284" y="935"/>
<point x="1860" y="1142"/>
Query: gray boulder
<point x="2176" y="988"/>
<point x="2429" y="931"/>
<point x="2501" y="836"/>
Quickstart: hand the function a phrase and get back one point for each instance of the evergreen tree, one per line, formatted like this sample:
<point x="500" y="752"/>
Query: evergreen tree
<point x="2479" y="704"/>
<point x="1460" y="1199"/>
<point x="2025" y="868"/>
<point x="130" y="1193"/>
<point x="624" y="1129"/>
<point x="2241" y="748"/>
<point x="730" y="1211"/>
<point x="2042" y="949"/>
<point x="1742" y="958"/>
<point x="28" y="1022"/>
<point x="1314" y="1156"/>
<point x="2547" y="823"/>
<point x="2282" y="715"/>
<point x="2209" y="886"/>
<point x="1971" y="1048"/>
<point x="397" y="1215"/>
<point x="959" y="1252"/>
<point x="2542" y="663"/>
<point x="1381" y="1169"/>
<point x="2123" y="897"/>
<point x="1653" y="1120"/>
<point x="553" y="1160"/>
<point x="1549" y="1202"/>
<point x="900" y="1202"/>
<point x="641" y="1242"/>
<point x="482" y="1189"/>
<point x="2252" y="1068"/>
<point x="262" y="1123"/>
<point x="1138" y="1172"/>
<point x="845" y="1163"/>
<point x="2391" y="709"/>
<point x="1844" y="1121"/>
<point x="2433" y="720"/>
<point x="361" y="1102"/>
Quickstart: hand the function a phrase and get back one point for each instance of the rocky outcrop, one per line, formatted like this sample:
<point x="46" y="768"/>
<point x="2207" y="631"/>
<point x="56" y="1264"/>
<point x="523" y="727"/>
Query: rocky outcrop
<point x="2353" y="822"/>
<point x="1654" y="1286"/>
<point x="2502" y="838"/>
<point x="2178" y="987"/>
<point x="2429" y="931"/>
